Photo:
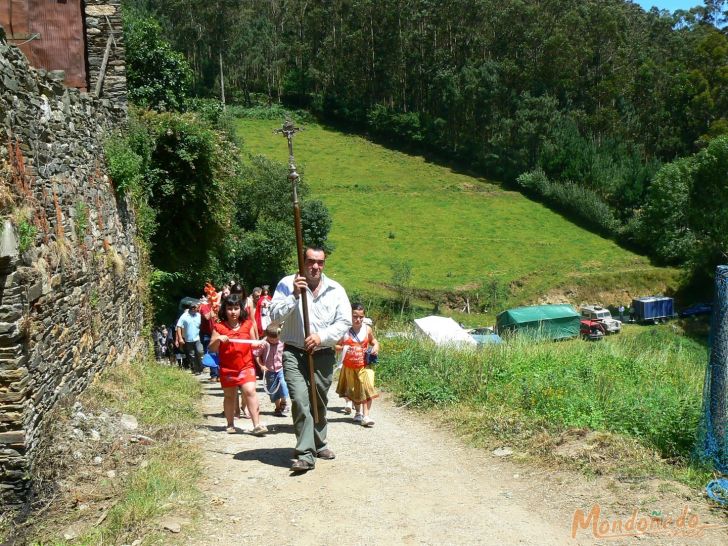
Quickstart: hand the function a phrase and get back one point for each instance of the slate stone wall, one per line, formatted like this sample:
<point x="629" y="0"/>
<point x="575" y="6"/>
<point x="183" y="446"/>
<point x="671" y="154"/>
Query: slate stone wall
<point x="104" y="29"/>
<point x="70" y="296"/>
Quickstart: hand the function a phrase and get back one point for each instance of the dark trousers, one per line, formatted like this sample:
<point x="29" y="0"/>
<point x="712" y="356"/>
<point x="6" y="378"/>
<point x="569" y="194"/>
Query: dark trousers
<point x="310" y="436"/>
<point x="193" y="355"/>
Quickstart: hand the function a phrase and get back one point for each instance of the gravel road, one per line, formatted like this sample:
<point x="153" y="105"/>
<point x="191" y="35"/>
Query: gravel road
<point x="404" y="481"/>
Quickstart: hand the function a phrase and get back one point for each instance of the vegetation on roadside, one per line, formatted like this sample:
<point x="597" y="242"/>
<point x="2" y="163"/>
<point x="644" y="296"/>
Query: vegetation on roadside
<point x="645" y="384"/>
<point x="202" y="213"/>
<point x="153" y="480"/>
<point x="159" y="396"/>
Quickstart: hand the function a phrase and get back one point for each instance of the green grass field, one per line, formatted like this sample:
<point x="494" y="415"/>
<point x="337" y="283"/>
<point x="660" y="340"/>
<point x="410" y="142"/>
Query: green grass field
<point x="457" y="232"/>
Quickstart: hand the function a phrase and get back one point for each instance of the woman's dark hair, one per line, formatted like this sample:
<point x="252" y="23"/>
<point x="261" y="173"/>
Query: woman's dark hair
<point x="357" y="307"/>
<point x="232" y="299"/>
<point x="238" y="289"/>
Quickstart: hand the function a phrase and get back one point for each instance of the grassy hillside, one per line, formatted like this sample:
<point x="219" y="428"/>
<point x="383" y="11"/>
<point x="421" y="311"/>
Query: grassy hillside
<point x="459" y="233"/>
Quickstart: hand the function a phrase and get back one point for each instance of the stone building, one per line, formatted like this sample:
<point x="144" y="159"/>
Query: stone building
<point x="71" y="299"/>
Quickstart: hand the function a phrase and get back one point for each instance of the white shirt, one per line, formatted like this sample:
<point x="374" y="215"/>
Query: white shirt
<point x="329" y="313"/>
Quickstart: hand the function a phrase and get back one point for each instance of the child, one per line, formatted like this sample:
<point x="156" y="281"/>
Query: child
<point x="356" y="381"/>
<point x="237" y="368"/>
<point x="269" y="356"/>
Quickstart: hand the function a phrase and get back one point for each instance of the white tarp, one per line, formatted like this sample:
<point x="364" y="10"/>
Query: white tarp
<point x="443" y="331"/>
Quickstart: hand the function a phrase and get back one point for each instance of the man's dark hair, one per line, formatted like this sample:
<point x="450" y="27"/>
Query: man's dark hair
<point x="314" y="248"/>
<point x="232" y="299"/>
<point x="357" y="307"/>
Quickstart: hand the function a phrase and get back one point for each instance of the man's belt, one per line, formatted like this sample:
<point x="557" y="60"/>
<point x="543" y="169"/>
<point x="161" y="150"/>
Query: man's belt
<point x="321" y="351"/>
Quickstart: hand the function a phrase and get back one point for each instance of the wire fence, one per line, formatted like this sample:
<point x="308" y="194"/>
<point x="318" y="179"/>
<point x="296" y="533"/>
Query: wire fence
<point x="713" y="435"/>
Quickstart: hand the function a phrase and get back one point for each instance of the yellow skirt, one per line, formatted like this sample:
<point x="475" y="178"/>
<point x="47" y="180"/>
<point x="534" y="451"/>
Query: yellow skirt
<point x="357" y="384"/>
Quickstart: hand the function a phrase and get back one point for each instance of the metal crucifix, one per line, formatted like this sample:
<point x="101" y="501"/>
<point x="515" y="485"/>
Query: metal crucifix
<point x="288" y="130"/>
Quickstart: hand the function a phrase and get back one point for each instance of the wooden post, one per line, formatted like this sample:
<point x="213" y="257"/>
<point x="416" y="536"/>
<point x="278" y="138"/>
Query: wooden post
<point x="104" y="62"/>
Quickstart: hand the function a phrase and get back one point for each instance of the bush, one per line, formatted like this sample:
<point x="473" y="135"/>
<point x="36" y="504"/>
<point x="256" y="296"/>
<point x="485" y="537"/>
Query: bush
<point x="535" y="182"/>
<point x="273" y="112"/>
<point x="211" y="110"/>
<point x="400" y="126"/>
<point x="573" y="199"/>
<point x="124" y="164"/>
<point x="157" y="76"/>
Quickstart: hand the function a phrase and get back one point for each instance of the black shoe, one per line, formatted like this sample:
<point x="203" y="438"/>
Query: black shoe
<point x="326" y="454"/>
<point x="299" y="465"/>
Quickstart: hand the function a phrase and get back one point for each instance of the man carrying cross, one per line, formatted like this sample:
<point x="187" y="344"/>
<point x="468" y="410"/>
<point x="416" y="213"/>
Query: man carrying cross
<point x="330" y="318"/>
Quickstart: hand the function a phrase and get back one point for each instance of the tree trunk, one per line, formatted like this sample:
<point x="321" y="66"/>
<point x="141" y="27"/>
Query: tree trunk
<point x="222" y="83"/>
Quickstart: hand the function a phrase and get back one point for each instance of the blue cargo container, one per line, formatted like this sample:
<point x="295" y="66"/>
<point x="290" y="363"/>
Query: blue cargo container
<point x="653" y="309"/>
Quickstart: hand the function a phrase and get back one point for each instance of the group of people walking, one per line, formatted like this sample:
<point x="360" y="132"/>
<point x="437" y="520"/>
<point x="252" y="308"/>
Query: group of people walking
<point x="242" y="343"/>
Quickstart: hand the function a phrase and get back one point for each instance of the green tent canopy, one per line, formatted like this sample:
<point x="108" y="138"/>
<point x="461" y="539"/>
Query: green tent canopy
<point x="543" y="321"/>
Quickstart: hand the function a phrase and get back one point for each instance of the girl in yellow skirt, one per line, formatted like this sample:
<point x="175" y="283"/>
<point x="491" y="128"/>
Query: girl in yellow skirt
<point x="356" y="381"/>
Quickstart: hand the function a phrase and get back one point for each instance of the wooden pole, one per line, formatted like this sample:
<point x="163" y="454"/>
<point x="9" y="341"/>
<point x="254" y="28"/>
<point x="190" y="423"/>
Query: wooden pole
<point x="288" y="130"/>
<point x="104" y="62"/>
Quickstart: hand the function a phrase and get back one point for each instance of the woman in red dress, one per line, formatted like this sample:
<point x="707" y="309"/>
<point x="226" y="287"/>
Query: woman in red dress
<point x="233" y="338"/>
<point x="262" y="318"/>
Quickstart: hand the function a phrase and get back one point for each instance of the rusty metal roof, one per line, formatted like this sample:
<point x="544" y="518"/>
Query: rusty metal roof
<point x="50" y="33"/>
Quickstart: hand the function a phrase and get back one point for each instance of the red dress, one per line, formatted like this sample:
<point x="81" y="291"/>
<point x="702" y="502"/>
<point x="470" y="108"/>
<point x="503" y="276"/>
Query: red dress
<point x="262" y="302"/>
<point x="236" y="359"/>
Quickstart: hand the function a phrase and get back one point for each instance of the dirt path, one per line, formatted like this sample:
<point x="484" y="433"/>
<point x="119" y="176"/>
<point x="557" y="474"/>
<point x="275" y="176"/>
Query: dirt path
<point x="400" y="482"/>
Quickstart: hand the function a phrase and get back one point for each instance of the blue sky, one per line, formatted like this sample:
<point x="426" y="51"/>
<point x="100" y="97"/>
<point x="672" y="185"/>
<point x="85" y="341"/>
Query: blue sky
<point x="671" y="5"/>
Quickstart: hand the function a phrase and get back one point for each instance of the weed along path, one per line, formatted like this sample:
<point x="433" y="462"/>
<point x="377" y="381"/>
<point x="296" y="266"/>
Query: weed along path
<point x="400" y="482"/>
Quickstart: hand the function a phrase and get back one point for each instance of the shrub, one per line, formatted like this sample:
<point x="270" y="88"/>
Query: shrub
<point x="157" y="76"/>
<point x="26" y="235"/>
<point x="402" y="126"/>
<point x="535" y="182"/>
<point x="80" y="221"/>
<point x="273" y="112"/>
<point x="577" y="201"/>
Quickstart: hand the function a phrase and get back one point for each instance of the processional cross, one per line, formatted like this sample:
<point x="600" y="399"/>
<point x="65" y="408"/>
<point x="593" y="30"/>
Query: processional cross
<point x="288" y="130"/>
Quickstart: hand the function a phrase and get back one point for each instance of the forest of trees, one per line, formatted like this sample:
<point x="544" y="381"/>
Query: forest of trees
<point x="587" y="105"/>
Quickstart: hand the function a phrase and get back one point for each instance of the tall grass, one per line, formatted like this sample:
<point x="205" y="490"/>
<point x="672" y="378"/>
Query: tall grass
<point x="158" y="395"/>
<point x="646" y="386"/>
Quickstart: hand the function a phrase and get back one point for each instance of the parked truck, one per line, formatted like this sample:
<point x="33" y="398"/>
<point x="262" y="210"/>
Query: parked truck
<point x="600" y="314"/>
<point x="653" y="309"/>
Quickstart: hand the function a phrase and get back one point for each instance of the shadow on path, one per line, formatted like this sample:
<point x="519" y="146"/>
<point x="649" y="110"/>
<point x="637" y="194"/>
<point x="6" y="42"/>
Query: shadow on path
<point x="277" y="456"/>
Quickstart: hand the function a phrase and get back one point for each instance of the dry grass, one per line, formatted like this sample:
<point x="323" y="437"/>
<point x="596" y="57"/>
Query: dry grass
<point x="115" y="262"/>
<point x="59" y="252"/>
<point x="590" y="452"/>
<point x="7" y="199"/>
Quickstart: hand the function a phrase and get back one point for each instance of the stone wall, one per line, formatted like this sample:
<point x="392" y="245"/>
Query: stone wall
<point x="70" y="299"/>
<point x="104" y="29"/>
